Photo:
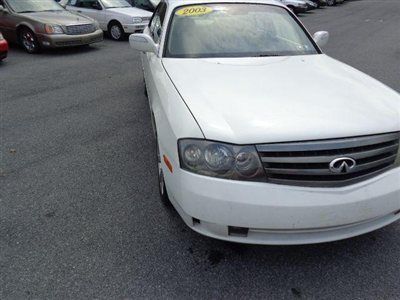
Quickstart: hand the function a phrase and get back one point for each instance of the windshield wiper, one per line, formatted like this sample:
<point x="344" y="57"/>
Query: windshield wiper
<point x="267" y="55"/>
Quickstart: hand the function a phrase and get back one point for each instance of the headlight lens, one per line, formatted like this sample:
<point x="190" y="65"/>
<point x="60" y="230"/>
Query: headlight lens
<point x="137" y="20"/>
<point x="53" y="29"/>
<point x="220" y="160"/>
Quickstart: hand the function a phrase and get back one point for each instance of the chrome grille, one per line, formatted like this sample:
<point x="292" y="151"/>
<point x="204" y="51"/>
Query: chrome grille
<point x="307" y="163"/>
<point x="80" y="29"/>
<point x="146" y="19"/>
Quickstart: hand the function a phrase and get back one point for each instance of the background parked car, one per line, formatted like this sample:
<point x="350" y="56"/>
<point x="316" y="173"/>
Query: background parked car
<point x="117" y="17"/>
<point x="297" y="6"/>
<point x="334" y="2"/>
<point x="37" y="24"/>
<point x="311" y="4"/>
<point x="3" y="47"/>
<point x="319" y="3"/>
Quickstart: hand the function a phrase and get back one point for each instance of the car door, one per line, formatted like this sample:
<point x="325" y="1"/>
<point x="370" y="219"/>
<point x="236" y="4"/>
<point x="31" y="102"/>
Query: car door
<point x="152" y="61"/>
<point x="90" y="8"/>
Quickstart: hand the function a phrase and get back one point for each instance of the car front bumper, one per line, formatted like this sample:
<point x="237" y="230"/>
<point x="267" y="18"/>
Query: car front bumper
<point x="282" y="215"/>
<point x="64" y="40"/>
<point x="133" y="28"/>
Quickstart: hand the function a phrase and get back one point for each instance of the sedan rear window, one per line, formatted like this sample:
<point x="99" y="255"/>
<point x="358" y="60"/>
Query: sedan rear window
<point x="235" y="30"/>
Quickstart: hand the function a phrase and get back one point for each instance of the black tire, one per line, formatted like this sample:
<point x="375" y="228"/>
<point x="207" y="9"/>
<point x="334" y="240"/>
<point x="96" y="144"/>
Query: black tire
<point x="115" y="31"/>
<point x="29" y="41"/>
<point x="161" y="182"/>
<point x="145" y="88"/>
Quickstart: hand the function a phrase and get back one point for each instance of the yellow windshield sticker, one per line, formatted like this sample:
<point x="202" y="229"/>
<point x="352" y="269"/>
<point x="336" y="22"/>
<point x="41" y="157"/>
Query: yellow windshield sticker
<point x="191" y="11"/>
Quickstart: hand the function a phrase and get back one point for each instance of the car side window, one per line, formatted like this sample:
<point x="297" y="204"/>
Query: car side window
<point x="90" y="4"/>
<point x="157" y="22"/>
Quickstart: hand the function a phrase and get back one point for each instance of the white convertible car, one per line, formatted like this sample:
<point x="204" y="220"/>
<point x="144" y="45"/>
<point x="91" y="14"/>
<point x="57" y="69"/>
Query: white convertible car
<point x="261" y="137"/>
<point x="117" y="17"/>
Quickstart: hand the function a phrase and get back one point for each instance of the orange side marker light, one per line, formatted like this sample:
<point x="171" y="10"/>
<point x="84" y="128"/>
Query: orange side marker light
<point x="168" y="163"/>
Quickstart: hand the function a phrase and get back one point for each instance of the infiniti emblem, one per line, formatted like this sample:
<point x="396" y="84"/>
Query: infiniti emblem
<point x="342" y="165"/>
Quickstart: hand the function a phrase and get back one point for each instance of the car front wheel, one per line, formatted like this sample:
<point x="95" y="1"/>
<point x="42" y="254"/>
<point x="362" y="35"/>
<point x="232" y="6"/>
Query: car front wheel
<point x="161" y="181"/>
<point x="116" y="31"/>
<point x="29" y="41"/>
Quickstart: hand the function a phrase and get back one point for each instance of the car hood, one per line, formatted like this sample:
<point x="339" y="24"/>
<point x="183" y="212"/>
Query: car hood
<point x="62" y="17"/>
<point x="277" y="99"/>
<point x="131" y="11"/>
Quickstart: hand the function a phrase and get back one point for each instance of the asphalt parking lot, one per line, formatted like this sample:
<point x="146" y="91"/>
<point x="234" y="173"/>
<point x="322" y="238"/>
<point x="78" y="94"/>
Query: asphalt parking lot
<point x="79" y="210"/>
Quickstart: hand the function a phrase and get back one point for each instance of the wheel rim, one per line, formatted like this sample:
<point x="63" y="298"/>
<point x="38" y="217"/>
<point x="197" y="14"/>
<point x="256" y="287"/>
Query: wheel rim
<point x="116" y="32"/>
<point x="28" y="41"/>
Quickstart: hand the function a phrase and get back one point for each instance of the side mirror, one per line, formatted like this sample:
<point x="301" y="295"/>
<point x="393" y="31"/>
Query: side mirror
<point x="321" y="38"/>
<point x="143" y="42"/>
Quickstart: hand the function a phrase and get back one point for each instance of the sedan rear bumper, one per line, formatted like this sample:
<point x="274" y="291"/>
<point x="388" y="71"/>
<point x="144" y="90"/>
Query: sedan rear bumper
<point x="63" y="40"/>
<point x="3" y="49"/>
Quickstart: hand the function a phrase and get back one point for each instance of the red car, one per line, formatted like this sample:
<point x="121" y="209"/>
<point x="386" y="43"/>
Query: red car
<point x="3" y="48"/>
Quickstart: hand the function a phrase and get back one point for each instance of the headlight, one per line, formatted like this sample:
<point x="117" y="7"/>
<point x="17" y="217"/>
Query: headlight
<point x="53" y="29"/>
<point x="220" y="160"/>
<point x="1" y="37"/>
<point x="137" y="20"/>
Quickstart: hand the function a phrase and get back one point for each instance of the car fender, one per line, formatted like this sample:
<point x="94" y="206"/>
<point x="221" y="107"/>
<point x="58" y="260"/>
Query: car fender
<point x="172" y="118"/>
<point x="34" y="27"/>
<point x="115" y="16"/>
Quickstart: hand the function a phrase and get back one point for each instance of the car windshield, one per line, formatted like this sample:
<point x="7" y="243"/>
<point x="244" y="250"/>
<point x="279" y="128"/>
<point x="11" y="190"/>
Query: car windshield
<point x="235" y="30"/>
<point x="21" y="6"/>
<point x="143" y="4"/>
<point x="115" y="3"/>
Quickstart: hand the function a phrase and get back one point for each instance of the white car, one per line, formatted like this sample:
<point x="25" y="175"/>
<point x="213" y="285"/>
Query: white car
<point x="261" y="137"/>
<point x="296" y="6"/>
<point x="117" y="17"/>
